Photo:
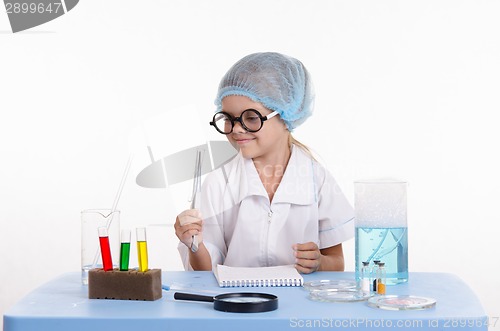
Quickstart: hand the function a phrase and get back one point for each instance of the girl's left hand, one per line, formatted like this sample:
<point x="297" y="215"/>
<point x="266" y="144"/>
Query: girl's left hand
<point x="307" y="257"/>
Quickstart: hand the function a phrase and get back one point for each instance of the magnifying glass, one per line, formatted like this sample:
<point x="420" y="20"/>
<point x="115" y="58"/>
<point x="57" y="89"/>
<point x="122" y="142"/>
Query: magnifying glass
<point x="235" y="302"/>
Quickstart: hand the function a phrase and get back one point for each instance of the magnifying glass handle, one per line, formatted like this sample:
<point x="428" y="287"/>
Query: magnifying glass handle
<point x="192" y="297"/>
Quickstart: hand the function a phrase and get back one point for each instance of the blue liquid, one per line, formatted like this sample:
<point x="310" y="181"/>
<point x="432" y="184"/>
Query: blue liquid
<point x="389" y="245"/>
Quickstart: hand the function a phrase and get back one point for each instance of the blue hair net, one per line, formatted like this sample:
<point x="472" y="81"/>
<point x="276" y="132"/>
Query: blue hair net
<point x="277" y="81"/>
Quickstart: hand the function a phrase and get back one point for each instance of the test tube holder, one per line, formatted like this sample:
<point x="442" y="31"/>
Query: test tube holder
<point x="125" y="285"/>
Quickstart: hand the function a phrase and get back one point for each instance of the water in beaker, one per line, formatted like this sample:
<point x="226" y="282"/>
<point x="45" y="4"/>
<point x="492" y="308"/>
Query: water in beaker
<point x="381" y="227"/>
<point x="388" y="245"/>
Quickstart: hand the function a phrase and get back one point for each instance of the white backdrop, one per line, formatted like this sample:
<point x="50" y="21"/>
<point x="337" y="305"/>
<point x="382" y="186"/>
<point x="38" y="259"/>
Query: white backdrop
<point x="405" y="89"/>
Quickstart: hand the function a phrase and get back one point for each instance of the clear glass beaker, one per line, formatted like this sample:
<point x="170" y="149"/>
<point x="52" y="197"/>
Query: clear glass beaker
<point x="381" y="227"/>
<point x="91" y="220"/>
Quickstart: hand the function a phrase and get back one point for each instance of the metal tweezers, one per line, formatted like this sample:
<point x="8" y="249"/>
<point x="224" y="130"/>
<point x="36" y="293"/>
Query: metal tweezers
<point x="196" y="190"/>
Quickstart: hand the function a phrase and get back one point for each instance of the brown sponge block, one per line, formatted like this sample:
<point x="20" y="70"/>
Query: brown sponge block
<point x="125" y="285"/>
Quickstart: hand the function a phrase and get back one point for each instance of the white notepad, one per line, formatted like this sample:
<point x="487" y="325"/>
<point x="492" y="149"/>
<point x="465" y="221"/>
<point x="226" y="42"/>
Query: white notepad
<point x="285" y="275"/>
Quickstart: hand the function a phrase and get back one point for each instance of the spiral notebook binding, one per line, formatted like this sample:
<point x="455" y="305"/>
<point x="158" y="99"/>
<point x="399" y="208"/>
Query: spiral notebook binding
<point x="285" y="275"/>
<point x="273" y="282"/>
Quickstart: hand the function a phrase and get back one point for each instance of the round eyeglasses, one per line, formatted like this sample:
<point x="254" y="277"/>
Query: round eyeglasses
<point x="251" y="120"/>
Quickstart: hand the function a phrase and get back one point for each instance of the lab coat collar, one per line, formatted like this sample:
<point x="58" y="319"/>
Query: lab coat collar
<point x="297" y="184"/>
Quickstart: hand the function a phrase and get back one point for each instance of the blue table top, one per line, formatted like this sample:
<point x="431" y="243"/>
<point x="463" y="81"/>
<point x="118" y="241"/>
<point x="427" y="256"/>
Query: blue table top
<point x="63" y="304"/>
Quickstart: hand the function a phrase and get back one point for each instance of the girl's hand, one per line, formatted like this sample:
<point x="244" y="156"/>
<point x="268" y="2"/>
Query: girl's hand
<point x="187" y="224"/>
<point x="307" y="257"/>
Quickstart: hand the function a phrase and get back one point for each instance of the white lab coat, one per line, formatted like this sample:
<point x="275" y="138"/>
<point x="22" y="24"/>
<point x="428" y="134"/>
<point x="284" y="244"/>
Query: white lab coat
<point x="242" y="228"/>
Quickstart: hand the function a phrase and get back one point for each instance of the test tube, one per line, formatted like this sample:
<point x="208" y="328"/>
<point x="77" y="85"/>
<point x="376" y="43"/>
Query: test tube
<point x="142" y="249"/>
<point x="125" y="250"/>
<point x="107" y="263"/>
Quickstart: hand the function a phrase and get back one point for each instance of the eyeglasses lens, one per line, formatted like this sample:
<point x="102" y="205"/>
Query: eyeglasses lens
<point x="223" y="123"/>
<point x="251" y="120"/>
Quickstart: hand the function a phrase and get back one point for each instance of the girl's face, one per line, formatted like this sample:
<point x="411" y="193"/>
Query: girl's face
<point x="272" y="137"/>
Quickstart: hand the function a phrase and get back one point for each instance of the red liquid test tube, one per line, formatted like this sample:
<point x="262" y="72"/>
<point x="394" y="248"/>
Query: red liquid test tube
<point x="107" y="263"/>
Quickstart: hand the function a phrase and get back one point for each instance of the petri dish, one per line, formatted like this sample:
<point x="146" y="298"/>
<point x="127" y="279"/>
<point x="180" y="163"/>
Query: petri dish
<point x="330" y="284"/>
<point x="401" y="302"/>
<point x="338" y="295"/>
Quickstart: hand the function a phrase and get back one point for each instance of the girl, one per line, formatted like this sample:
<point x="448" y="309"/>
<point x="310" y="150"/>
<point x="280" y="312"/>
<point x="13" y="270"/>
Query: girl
<point x="273" y="203"/>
